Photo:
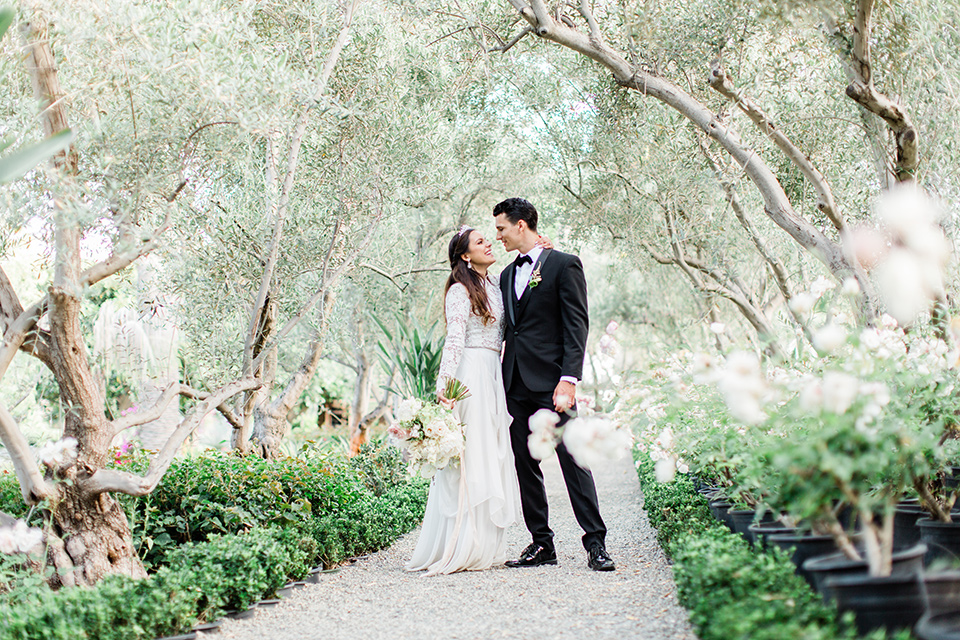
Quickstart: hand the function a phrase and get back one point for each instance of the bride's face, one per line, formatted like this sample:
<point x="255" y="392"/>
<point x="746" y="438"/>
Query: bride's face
<point x="480" y="251"/>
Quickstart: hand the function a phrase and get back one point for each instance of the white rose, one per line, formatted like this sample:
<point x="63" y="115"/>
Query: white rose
<point x="408" y="409"/>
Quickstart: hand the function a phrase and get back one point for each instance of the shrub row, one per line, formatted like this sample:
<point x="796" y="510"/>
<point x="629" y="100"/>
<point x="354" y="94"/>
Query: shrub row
<point x="273" y="521"/>
<point x="349" y="507"/>
<point x="732" y="589"/>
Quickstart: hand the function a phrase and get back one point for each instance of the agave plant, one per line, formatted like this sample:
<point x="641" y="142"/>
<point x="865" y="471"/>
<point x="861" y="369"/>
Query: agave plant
<point x="414" y="354"/>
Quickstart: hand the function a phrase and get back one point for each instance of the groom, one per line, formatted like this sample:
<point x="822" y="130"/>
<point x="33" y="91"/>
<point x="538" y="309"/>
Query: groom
<point x="545" y="303"/>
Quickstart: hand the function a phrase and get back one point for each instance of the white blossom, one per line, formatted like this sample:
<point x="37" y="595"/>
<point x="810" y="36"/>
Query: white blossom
<point x="802" y="303"/>
<point x="743" y="387"/>
<point x="830" y="338"/>
<point x="57" y="454"/>
<point x="718" y="327"/>
<point x="911" y="275"/>
<point x="839" y="391"/>
<point x="811" y="395"/>
<point x="820" y="286"/>
<point x="595" y="440"/>
<point x="903" y="279"/>
<point x="542" y="440"/>
<point x="665" y="470"/>
<point x="408" y="409"/>
<point x="850" y="287"/>
<point x="867" y="245"/>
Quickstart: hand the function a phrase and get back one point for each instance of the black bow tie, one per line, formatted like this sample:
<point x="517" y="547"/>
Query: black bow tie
<point x="521" y="260"/>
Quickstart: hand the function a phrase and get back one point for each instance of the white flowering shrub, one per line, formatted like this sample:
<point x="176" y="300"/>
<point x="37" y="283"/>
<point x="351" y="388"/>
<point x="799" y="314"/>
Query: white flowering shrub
<point x="869" y="422"/>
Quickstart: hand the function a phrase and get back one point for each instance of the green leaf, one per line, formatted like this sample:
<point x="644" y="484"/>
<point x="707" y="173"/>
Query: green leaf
<point x="15" y="165"/>
<point x="6" y="19"/>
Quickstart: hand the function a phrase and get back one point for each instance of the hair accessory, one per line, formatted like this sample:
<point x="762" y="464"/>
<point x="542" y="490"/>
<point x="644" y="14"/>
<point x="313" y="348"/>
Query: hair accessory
<point x="463" y="230"/>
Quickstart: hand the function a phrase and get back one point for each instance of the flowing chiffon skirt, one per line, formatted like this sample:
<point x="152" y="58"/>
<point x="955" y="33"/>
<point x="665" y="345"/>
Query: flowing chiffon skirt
<point x="470" y="505"/>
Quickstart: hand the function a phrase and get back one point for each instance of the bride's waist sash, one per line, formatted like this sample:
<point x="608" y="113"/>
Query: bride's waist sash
<point x="482" y="347"/>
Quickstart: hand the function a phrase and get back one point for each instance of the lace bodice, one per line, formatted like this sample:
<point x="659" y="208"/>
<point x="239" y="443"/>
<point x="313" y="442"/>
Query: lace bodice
<point x="465" y="329"/>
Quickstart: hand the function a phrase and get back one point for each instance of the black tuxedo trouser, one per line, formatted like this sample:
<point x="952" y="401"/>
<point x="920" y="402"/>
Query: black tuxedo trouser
<point x="523" y="403"/>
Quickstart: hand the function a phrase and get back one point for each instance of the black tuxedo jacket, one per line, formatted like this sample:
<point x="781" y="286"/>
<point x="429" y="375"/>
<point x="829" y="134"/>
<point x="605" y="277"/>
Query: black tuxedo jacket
<point x="545" y="334"/>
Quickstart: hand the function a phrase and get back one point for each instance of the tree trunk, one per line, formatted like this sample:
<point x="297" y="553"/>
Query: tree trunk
<point x="89" y="537"/>
<point x="358" y="408"/>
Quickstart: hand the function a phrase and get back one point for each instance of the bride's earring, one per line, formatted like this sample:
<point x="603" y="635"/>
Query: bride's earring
<point x="469" y="264"/>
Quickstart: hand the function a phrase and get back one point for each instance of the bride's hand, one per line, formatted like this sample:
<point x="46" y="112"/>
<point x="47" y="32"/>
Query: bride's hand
<point x="445" y="402"/>
<point x="544" y="242"/>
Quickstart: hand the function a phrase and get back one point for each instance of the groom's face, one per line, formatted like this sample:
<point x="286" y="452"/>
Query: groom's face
<point x="508" y="233"/>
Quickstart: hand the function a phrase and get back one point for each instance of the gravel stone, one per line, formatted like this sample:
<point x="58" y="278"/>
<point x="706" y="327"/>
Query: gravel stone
<point x="374" y="598"/>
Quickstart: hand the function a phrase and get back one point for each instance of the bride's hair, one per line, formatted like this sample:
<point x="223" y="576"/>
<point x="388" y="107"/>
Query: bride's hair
<point x="461" y="272"/>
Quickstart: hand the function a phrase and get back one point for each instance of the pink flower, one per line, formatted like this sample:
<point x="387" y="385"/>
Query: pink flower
<point x="398" y="433"/>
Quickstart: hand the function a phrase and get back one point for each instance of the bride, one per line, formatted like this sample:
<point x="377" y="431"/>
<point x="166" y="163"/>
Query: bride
<point x="471" y="505"/>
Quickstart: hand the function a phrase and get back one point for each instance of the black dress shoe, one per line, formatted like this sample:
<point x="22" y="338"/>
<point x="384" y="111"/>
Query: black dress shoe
<point x="534" y="556"/>
<point x="598" y="560"/>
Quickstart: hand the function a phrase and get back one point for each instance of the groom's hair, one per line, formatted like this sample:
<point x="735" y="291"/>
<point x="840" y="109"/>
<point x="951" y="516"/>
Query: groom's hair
<point x="517" y="209"/>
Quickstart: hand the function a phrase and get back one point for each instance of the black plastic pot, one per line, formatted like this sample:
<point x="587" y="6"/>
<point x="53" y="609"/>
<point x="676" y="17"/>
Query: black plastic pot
<point x="892" y="602"/>
<point x="741" y="520"/>
<point x="720" y="510"/>
<point x="943" y="591"/>
<point x="802" y="547"/>
<point x="938" y="626"/>
<point x="744" y="518"/>
<point x="837" y="565"/>
<point x="761" y="530"/>
<point x="906" y="533"/>
<point x="942" y="539"/>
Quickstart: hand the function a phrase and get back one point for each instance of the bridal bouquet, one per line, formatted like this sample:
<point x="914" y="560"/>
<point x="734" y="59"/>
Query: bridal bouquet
<point x="429" y="433"/>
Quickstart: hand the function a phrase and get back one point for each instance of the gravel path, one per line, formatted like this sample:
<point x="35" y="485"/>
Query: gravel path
<point x="374" y="598"/>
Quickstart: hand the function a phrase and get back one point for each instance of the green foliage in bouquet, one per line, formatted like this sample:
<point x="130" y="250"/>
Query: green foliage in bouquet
<point x="455" y="390"/>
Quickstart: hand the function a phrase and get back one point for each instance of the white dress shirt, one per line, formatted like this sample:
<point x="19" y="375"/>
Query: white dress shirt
<point x="522" y="277"/>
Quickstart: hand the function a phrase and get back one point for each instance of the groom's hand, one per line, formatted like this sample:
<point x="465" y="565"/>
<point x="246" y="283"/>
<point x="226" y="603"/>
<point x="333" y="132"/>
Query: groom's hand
<point x="564" y="396"/>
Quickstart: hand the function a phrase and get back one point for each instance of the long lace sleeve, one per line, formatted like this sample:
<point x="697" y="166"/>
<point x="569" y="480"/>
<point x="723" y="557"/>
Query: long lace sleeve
<point x="457" y="305"/>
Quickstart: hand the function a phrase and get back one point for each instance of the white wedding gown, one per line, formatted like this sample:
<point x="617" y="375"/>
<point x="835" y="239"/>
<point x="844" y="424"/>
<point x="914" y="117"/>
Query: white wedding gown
<point x="471" y="505"/>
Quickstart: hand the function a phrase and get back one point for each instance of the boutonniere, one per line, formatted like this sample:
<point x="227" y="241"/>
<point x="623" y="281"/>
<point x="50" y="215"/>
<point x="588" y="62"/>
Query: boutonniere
<point x="535" y="277"/>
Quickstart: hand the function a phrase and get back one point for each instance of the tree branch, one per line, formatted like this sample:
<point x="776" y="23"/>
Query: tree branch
<point x="293" y="155"/>
<point x="149" y="415"/>
<point x="326" y="285"/>
<point x="223" y="408"/>
<point x="862" y="90"/>
<point x="33" y="487"/>
<point x="777" y="205"/>
<point x="105" y="480"/>
<point x="591" y="21"/>
<point x="723" y="84"/>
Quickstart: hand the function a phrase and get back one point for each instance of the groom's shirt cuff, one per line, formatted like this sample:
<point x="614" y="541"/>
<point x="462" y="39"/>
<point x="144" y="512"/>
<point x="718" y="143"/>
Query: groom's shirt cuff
<point x="569" y="379"/>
